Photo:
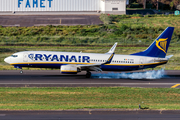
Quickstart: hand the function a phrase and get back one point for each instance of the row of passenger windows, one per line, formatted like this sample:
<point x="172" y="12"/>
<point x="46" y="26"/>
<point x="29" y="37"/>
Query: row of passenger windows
<point x="98" y="60"/>
<point x="123" y="61"/>
<point x="114" y="61"/>
<point x="93" y="60"/>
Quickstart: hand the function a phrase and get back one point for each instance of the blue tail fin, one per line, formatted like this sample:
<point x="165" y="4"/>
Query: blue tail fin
<point x="160" y="46"/>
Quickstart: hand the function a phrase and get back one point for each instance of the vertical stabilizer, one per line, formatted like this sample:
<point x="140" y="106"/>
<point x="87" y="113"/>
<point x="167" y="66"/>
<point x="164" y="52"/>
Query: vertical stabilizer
<point x="160" y="46"/>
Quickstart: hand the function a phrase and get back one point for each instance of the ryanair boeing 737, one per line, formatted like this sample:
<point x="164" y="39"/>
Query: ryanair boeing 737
<point x="73" y="62"/>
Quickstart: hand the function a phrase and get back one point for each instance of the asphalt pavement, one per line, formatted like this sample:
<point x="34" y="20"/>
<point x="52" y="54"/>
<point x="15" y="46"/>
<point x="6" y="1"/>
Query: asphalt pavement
<point x="43" y="20"/>
<point x="53" y="78"/>
<point x="91" y="115"/>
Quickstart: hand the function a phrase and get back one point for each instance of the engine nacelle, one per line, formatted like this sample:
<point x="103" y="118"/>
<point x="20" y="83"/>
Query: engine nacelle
<point x="69" y="69"/>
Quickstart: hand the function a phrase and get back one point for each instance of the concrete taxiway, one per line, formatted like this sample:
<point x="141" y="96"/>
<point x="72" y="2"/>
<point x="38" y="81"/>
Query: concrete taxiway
<point x="53" y="78"/>
<point x="43" y="20"/>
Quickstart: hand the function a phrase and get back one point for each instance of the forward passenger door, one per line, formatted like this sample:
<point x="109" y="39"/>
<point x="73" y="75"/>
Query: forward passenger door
<point x="25" y="57"/>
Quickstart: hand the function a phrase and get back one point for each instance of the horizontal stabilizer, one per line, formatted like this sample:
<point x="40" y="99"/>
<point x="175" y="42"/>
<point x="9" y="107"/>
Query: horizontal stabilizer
<point x="163" y="59"/>
<point x="169" y="56"/>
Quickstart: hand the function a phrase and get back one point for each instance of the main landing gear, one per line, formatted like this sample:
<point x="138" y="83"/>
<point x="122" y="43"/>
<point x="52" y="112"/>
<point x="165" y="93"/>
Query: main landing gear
<point x="21" y="72"/>
<point x="88" y="74"/>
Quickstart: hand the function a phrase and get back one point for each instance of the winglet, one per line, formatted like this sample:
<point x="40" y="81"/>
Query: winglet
<point x="113" y="48"/>
<point x="109" y="59"/>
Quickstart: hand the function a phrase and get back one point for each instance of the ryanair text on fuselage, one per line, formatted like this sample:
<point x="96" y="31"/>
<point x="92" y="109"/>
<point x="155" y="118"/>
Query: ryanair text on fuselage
<point x="59" y="58"/>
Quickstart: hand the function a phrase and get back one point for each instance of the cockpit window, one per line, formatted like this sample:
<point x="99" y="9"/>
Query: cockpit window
<point x="14" y="55"/>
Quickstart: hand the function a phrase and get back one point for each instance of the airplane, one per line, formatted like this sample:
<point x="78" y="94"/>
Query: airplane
<point x="74" y="62"/>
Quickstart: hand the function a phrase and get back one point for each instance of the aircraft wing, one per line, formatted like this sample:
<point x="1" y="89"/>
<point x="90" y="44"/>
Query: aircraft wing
<point x="93" y="67"/>
<point x="169" y="56"/>
<point x="96" y="67"/>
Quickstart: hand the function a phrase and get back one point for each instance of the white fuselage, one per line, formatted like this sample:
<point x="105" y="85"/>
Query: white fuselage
<point x="50" y="59"/>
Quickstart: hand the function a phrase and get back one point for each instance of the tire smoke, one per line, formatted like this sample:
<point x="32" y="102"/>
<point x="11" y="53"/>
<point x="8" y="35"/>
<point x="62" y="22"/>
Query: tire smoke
<point x="155" y="74"/>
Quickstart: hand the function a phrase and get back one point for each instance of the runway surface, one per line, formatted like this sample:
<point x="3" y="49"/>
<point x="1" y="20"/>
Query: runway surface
<point x="53" y="78"/>
<point x="43" y="20"/>
<point x="90" y="115"/>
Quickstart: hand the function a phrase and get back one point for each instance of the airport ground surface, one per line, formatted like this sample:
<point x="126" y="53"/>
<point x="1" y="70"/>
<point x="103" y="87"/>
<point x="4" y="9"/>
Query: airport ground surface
<point x="26" y="19"/>
<point x="90" y="115"/>
<point x="53" y="78"/>
<point x="43" y="20"/>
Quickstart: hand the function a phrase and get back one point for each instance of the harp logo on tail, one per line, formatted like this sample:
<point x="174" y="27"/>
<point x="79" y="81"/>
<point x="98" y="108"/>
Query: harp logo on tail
<point x="161" y="44"/>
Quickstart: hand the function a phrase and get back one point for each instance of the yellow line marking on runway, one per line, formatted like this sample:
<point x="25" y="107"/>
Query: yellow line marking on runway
<point x="174" y="86"/>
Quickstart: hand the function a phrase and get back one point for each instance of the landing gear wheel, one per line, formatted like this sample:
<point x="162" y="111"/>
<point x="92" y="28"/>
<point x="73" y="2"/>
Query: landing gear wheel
<point x="88" y="74"/>
<point x="21" y="72"/>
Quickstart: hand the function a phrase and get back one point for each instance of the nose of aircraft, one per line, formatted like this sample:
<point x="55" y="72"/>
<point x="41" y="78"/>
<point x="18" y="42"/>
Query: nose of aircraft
<point x="7" y="60"/>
